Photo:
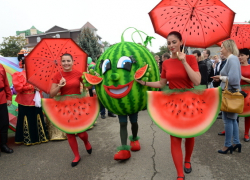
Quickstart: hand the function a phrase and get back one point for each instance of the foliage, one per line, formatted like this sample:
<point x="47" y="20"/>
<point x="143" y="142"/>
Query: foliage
<point x="106" y="44"/>
<point x="89" y="43"/>
<point x="11" y="45"/>
<point x="248" y="21"/>
<point x="163" y="49"/>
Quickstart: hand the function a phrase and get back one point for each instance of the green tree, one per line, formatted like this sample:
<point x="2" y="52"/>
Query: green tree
<point x="12" y="45"/>
<point x="163" y="49"/>
<point x="106" y="44"/>
<point x="89" y="43"/>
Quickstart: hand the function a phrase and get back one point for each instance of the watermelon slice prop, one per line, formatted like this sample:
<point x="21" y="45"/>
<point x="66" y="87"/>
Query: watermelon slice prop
<point x="72" y="114"/>
<point x="92" y="79"/>
<point x="246" y="110"/>
<point x="141" y="72"/>
<point x="187" y="114"/>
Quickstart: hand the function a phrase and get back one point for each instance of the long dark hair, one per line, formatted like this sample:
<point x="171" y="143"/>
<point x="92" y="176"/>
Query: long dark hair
<point x="244" y="51"/>
<point x="177" y="35"/>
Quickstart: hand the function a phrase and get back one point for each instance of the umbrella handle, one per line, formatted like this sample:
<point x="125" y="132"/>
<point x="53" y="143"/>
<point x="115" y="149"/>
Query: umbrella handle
<point x="55" y="61"/>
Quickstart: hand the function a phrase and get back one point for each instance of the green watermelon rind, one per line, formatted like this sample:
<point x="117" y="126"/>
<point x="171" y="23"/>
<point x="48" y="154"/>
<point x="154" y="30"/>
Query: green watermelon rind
<point x="193" y="135"/>
<point x="70" y="132"/>
<point x="245" y="115"/>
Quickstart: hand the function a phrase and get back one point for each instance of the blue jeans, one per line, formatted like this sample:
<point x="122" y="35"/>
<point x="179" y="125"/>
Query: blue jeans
<point x="232" y="130"/>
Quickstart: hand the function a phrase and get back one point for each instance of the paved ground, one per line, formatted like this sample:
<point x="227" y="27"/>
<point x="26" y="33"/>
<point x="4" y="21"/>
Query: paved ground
<point x="154" y="162"/>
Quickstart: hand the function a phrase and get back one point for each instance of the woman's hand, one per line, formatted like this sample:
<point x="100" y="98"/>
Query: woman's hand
<point x="36" y="88"/>
<point x="62" y="82"/>
<point x="141" y="82"/>
<point x="9" y="102"/>
<point x="182" y="57"/>
<point x="216" y="78"/>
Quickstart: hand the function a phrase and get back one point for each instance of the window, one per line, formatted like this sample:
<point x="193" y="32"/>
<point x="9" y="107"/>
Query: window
<point x="38" y="39"/>
<point x="57" y="35"/>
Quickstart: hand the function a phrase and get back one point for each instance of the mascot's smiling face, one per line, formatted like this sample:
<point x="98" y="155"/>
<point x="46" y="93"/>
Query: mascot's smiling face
<point x="122" y="68"/>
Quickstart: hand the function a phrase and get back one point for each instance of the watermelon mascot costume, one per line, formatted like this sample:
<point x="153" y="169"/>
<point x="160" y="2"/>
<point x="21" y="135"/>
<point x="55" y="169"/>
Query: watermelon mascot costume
<point x="114" y="77"/>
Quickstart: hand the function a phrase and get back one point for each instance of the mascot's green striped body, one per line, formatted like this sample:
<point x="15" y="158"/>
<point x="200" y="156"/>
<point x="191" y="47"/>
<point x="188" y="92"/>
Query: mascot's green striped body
<point x="119" y="92"/>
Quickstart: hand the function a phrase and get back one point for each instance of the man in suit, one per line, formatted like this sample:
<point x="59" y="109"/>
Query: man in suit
<point x="202" y="67"/>
<point x="210" y="69"/>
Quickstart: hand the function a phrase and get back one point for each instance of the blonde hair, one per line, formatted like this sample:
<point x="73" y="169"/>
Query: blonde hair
<point x="230" y="46"/>
<point x="215" y="56"/>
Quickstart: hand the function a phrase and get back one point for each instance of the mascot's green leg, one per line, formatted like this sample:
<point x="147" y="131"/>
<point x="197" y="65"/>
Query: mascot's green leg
<point x="123" y="150"/>
<point x="134" y="139"/>
<point x="134" y="129"/>
<point x="123" y="132"/>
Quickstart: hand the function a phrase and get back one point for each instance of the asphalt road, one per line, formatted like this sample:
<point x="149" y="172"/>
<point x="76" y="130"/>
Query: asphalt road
<point x="52" y="160"/>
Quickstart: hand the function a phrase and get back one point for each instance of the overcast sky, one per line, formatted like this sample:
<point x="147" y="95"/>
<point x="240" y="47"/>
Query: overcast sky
<point x="110" y="17"/>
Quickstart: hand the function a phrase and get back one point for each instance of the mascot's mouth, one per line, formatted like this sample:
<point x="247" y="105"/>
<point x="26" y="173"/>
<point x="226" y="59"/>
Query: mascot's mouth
<point x="120" y="91"/>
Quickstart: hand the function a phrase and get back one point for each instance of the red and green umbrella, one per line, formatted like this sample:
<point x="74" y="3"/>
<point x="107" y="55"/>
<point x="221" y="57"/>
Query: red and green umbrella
<point x="241" y="35"/>
<point x="44" y="61"/>
<point x="202" y="23"/>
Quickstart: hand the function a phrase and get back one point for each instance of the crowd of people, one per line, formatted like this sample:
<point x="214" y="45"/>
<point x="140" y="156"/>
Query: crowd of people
<point x="196" y="69"/>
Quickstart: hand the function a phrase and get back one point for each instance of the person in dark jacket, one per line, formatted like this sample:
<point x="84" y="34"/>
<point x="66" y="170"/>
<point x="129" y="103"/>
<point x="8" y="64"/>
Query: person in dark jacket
<point x="210" y="69"/>
<point x="202" y="67"/>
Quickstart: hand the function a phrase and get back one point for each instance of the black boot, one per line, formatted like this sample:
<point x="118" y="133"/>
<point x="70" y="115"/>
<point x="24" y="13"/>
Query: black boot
<point x="4" y="147"/>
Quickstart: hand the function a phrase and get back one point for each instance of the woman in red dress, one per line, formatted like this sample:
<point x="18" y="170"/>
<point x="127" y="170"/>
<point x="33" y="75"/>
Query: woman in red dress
<point x="245" y="79"/>
<point x="70" y="84"/>
<point x="181" y="71"/>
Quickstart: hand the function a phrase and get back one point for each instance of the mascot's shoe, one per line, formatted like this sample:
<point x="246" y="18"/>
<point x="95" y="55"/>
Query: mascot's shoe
<point x="123" y="153"/>
<point x="134" y="143"/>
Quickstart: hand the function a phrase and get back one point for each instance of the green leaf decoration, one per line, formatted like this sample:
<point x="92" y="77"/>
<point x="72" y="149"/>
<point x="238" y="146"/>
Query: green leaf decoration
<point x="148" y="40"/>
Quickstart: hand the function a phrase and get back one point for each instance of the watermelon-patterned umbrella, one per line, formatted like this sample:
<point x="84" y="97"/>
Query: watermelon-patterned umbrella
<point x="202" y="23"/>
<point x="241" y="35"/>
<point x="44" y="61"/>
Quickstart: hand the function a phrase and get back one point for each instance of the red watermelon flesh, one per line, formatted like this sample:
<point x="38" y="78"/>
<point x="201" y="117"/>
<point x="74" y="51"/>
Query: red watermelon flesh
<point x="92" y="79"/>
<point x="140" y="72"/>
<point x="186" y="114"/>
<point x="72" y="115"/>
<point x="246" y="110"/>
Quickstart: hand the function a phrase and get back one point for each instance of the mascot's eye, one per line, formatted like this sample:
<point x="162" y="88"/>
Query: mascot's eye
<point x="106" y="65"/>
<point x="125" y="63"/>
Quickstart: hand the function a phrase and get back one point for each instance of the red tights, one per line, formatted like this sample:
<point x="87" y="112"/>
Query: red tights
<point x="247" y="125"/>
<point x="74" y="146"/>
<point x="177" y="153"/>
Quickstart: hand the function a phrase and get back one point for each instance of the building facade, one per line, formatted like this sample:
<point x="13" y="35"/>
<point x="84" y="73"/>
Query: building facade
<point x="59" y="32"/>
